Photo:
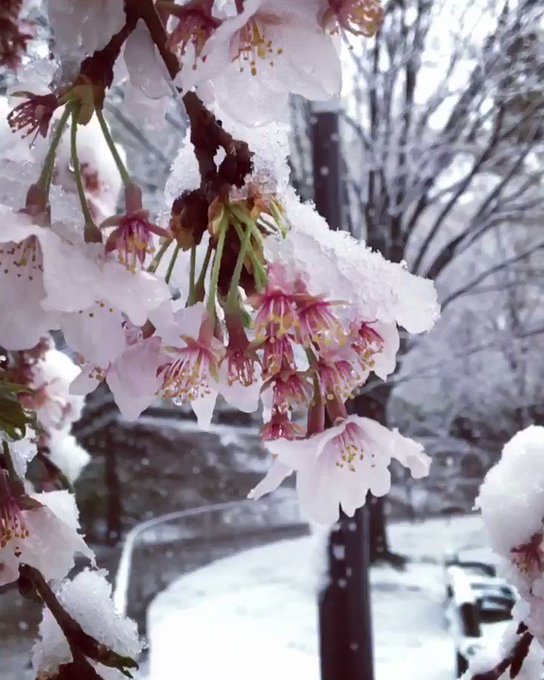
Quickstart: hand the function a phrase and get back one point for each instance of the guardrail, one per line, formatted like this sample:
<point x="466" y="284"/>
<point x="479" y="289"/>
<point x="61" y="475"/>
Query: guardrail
<point x="203" y="534"/>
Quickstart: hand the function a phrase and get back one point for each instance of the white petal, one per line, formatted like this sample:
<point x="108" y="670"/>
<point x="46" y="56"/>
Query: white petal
<point x="71" y="274"/>
<point x="133" y="379"/>
<point x="134" y="293"/>
<point x="96" y="333"/>
<point x="302" y="453"/>
<point x="21" y="285"/>
<point x="204" y="408"/>
<point x="53" y="539"/>
<point x="262" y="105"/>
<point x="380" y="481"/>
<point x="411" y="454"/>
<point x="386" y="360"/>
<point x="145" y="66"/>
<point x="270" y="482"/>
<point x="85" y="382"/>
<point x="23" y="329"/>
<point x="172" y="322"/>
<point x="318" y="492"/>
<point x="242" y="397"/>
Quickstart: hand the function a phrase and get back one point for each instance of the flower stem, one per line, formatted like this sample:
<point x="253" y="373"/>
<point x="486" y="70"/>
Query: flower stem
<point x="158" y="257"/>
<point x="259" y="272"/>
<point x="279" y="219"/>
<point x="125" y="175"/>
<point x="46" y="174"/>
<point x="192" y="270"/>
<point x="223" y="227"/>
<point x="171" y="265"/>
<point x="233" y="289"/>
<point x="197" y="293"/>
<point x="92" y="232"/>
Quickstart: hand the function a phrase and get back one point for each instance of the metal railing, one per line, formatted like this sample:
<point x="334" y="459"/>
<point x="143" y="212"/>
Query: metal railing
<point x="158" y="551"/>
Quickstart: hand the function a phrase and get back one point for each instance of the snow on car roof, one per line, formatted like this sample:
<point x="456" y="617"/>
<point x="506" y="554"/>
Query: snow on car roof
<point x="481" y="555"/>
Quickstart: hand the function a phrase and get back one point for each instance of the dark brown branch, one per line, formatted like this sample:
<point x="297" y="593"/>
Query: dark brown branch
<point x="207" y="133"/>
<point x="78" y="640"/>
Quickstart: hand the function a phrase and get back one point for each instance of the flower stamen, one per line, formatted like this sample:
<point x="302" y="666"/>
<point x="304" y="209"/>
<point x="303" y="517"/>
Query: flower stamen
<point x="252" y="44"/>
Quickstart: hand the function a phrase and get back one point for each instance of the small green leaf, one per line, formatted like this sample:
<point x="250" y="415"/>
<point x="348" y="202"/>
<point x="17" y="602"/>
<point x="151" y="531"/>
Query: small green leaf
<point x="14" y="418"/>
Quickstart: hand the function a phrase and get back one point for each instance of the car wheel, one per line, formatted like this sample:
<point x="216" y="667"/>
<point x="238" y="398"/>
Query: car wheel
<point x="462" y="665"/>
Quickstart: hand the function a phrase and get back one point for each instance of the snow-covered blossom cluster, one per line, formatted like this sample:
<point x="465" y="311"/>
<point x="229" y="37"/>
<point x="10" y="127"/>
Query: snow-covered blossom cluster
<point x="239" y="290"/>
<point x="511" y="502"/>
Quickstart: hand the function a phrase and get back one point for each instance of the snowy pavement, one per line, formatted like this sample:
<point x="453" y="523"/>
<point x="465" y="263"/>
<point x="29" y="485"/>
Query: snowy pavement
<point x="254" y="614"/>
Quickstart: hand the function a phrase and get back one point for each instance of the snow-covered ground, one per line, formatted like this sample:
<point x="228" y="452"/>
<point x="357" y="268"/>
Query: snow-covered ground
<point x="254" y="614"/>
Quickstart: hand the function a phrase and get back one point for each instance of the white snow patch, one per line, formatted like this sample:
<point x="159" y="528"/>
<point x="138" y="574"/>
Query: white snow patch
<point x="255" y="614"/>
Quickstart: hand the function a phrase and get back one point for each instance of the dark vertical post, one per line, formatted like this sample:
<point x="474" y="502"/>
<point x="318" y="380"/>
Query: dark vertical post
<point x="344" y="604"/>
<point x="113" y="489"/>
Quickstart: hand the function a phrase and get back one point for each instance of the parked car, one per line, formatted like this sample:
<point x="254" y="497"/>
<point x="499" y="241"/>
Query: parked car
<point x="479" y="603"/>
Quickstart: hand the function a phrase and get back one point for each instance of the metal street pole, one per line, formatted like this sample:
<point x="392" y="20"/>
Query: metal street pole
<point x="344" y="604"/>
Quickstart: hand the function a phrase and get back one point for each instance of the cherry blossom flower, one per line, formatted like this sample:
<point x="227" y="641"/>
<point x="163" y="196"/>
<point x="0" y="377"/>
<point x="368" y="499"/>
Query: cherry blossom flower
<point x="43" y="275"/>
<point x="194" y="24"/>
<point x="50" y="380"/>
<point x="374" y="346"/>
<point x="257" y="55"/>
<point x="95" y="327"/>
<point x="280" y="426"/>
<point x="133" y="293"/>
<point x="359" y="17"/>
<point x="132" y="237"/>
<point x="240" y="372"/>
<point x="87" y="598"/>
<point x="278" y="355"/>
<point x="34" y="114"/>
<point x="339" y="466"/>
<point x="290" y="388"/>
<point x="191" y="372"/>
<point x="132" y="376"/>
<point x="45" y="535"/>
<point x="24" y="266"/>
<point x="318" y="324"/>
<point x="338" y="376"/>
<point x="195" y="369"/>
